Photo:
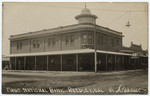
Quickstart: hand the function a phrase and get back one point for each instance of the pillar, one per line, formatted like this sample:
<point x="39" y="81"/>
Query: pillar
<point x="106" y="61"/>
<point x="95" y="61"/>
<point x="35" y="62"/>
<point x="77" y="62"/>
<point x="61" y="62"/>
<point x="129" y="63"/>
<point x="15" y="63"/>
<point x="123" y="62"/>
<point x="24" y="63"/>
<point x="47" y="63"/>
<point x="115" y="62"/>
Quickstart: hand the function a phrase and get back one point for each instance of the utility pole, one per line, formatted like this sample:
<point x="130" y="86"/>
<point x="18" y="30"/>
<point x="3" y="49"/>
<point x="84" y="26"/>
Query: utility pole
<point x="95" y="48"/>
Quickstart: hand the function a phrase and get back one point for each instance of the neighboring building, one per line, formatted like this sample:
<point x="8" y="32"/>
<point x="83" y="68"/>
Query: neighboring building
<point x="135" y="50"/>
<point x="69" y="48"/>
<point x="5" y="63"/>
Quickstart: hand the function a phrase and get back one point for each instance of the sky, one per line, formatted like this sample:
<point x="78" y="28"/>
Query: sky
<point x="23" y="17"/>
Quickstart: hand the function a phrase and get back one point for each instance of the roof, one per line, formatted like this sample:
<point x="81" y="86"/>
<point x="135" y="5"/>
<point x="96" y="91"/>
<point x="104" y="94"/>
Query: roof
<point x="135" y="47"/>
<point x="79" y="51"/>
<point x="85" y="11"/>
<point x="65" y="29"/>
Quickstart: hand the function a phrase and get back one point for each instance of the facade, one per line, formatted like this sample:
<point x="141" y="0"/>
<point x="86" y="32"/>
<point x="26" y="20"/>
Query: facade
<point x="79" y="47"/>
<point x="5" y="63"/>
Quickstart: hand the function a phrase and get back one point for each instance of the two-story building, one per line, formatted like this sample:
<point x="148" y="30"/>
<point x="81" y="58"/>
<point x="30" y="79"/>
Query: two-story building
<point x="70" y="48"/>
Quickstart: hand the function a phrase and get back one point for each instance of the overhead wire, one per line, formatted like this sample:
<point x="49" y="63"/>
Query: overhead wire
<point x="81" y="8"/>
<point x="20" y="18"/>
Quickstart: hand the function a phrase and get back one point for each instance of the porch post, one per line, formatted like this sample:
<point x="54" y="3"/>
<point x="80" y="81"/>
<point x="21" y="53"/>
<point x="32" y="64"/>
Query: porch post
<point x="123" y="61"/>
<point x="47" y="62"/>
<point x="35" y="62"/>
<point x="129" y="62"/>
<point x="115" y="63"/>
<point x="77" y="63"/>
<point x="106" y="62"/>
<point x="61" y="62"/>
<point x="15" y="63"/>
<point x="95" y="48"/>
<point x="24" y="63"/>
<point x="95" y="60"/>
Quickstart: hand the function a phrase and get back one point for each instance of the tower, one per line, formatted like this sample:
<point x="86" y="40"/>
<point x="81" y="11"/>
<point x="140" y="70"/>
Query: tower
<point x="86" y="17"/>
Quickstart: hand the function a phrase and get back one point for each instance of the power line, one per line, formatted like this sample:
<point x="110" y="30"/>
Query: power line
<point x="82" y="8"/>
<point x="123" y="15"/>
<point x="20" y="18"/>
<point x="117" y="18"/>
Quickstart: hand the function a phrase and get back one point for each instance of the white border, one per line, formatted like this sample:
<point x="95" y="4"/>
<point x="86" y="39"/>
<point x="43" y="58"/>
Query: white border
<point x="65" y="1"/>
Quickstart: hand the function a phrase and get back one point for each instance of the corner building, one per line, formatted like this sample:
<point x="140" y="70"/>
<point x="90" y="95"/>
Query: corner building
<point x="70" y="48"/>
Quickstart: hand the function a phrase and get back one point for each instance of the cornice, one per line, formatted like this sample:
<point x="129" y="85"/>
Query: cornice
<point x="65" y="29"/>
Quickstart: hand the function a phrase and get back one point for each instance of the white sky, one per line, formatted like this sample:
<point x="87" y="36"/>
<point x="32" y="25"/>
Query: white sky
<point x="28" y="17"/>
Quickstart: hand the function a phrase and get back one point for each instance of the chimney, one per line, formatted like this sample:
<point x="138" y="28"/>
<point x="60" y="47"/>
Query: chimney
<point x="131" y="43"/>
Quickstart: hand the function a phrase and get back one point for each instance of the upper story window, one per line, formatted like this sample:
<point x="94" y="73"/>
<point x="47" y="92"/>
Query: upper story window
<point x="69" y="40"/>
<point x="87" y="39"/>
<point x="100" y="40"/>
<point x="117" y="42"/>
<point x="36" y="44"/>
<point x="112" y="42"/>
<point x="19" y="45"/>
<point x="51" y="42"/>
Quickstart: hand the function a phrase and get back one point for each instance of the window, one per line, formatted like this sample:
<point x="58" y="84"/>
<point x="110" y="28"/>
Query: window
<point x="69" y="40"/>
<point x="117" y="42"/>
<point x="112" y="42"/>
<point x="51" y="42"/>
<point x="19" y="45"/>
<point x="36" y="44"/>
<point x="87" y="39"/>
<point x="100" y="40"/>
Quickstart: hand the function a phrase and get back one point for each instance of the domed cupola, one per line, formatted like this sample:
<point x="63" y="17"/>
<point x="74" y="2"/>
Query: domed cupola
<point x="86" y="17"/>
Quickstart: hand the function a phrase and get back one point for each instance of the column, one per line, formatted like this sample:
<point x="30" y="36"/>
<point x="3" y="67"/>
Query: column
<point x="123" y="62"/>
<point x="115" y="62"/>
<point x="77" y="63"/>
<point x="129" y="63"/>
<point x="95" y="61"/>
<point x="61" y="62"/>
<point x="47" y="62"/>
<point x="15" y="63"/>
<point x="106" y="62"/>
<point x="35" y="62"/>
<point x="24" y="63"/>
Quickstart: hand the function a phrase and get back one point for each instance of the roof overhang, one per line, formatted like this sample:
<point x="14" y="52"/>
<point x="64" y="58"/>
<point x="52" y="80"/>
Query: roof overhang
<point x="80" y="51"/>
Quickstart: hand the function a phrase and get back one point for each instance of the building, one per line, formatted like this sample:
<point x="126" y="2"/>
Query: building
<point x="5" y="63"/>
<point x="85" y="46"/>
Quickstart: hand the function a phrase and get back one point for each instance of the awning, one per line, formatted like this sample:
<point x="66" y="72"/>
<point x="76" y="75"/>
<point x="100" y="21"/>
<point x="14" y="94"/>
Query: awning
<point x="52" y="53"/>
<point x="79" y="51"/>
<point x="115" y="53"/>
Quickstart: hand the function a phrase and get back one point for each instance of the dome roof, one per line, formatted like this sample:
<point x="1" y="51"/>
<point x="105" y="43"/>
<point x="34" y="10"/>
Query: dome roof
<point x="85" y="11"/>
